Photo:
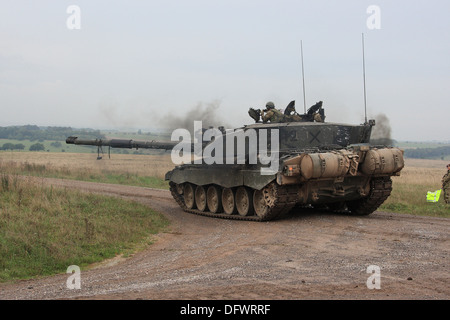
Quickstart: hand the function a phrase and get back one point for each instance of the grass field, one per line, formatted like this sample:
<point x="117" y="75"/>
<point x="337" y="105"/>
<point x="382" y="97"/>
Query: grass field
<point x="410" y="189"/>
<point x="43" y="230"/>
<point x="129" y="169"/>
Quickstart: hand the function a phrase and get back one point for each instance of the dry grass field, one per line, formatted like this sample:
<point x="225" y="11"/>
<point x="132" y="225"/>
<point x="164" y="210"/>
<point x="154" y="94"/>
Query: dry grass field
<point x="144" y="165"/>
<point x="131" y="169"/>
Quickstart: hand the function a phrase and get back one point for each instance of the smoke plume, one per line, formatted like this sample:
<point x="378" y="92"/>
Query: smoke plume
<point x="381" y="133"/>
<point x="208" y="113"/>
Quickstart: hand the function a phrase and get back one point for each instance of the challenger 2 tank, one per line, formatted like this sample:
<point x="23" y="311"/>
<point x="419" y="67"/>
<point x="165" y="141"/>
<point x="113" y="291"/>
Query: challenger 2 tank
<point x="312" y="163"/>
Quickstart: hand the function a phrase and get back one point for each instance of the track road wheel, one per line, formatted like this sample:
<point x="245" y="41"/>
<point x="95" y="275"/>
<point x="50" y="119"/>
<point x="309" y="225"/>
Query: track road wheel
<point x="189" y="197"/>
<point x="259" y="204"/>
<point x="214" y="199"/>
<point x="200" y="198"/>
<point x="228" y="201"/>
<point x="179" y="189"/>
<point x="244" y="202"/>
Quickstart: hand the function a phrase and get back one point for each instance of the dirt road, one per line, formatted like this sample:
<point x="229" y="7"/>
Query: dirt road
<point x="308" y="255"/>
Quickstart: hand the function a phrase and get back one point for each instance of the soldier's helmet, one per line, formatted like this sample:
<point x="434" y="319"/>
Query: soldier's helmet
<point x="270" y="105"/>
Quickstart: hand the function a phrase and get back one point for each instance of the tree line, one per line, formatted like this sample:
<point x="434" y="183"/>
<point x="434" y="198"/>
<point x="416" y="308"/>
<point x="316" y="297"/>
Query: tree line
<point x="12" y="146"/>
<point x="33" y="133"/>
<point x="428" y="153"/>
<point x="19" y="146"/>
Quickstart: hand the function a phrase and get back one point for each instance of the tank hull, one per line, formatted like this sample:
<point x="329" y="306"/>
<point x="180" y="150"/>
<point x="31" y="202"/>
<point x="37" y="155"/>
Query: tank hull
<point x="355" y="179"/>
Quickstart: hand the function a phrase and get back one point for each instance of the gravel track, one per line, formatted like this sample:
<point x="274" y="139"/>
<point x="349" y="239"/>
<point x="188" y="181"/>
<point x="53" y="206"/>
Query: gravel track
<point x="307" y="255"/>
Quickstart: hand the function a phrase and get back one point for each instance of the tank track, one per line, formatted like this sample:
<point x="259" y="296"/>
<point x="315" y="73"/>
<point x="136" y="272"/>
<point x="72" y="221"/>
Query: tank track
<point x="284" y="200"/>
<point x="380" y="189"/>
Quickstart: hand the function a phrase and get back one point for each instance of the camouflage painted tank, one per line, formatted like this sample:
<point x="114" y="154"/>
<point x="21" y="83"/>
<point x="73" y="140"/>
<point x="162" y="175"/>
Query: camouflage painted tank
<point x="318" y="164"/>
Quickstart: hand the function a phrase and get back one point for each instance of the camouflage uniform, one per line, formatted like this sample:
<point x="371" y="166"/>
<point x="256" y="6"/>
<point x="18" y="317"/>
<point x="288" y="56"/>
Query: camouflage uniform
<point x="272" y="114"/>
<point x="446" y="186"/>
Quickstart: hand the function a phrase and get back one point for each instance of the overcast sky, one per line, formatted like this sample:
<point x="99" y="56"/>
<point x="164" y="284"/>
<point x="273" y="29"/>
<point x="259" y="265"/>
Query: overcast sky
<point x="135" y="64"/>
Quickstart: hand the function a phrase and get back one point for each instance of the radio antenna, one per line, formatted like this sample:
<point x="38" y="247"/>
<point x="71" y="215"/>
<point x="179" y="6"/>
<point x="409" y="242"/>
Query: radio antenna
<point x="364" y="80"/>
<point x="303" y="77"/>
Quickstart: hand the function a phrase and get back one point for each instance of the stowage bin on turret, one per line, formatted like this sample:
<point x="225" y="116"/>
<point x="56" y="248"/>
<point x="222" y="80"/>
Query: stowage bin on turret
<point x="308" y="163"/>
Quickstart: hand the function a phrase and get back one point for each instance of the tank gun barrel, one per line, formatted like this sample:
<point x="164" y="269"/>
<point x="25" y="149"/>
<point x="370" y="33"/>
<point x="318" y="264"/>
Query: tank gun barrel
<point x="123" y="143"/>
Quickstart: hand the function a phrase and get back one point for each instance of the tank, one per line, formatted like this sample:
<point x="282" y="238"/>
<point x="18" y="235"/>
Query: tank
<point x="312" y="164"/>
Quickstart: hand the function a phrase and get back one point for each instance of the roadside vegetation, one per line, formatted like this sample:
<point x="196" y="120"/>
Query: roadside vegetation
<point x="410" y="189"/>
<point x="43" y="230"/>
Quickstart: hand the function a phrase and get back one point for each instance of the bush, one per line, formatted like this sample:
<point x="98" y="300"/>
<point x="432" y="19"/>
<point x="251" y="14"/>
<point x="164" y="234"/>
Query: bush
<point x="37" y="147"/>
<point x="19" y="146"/>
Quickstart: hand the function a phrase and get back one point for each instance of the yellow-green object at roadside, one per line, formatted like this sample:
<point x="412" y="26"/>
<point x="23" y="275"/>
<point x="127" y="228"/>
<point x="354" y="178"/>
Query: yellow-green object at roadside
<point x="433" y="196"/>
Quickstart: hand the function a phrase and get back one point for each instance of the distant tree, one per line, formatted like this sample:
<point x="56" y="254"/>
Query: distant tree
<point x="19" y="146"/>
<point x="428" y="153"/>
<point x="37" y="147"/>
<point x="8" y="146"/>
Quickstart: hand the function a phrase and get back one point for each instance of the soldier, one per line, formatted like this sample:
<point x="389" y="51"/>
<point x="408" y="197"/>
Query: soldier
<point x="446" y="185"/>
<point x="315" y="113"/>
<point x="317" y="117"/>
<point x="271" y="114"/>
<point x="290" y="115"/>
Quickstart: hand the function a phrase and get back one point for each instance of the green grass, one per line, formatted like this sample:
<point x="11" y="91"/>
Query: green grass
<point x="411" y="199"/>
<point x="43" y="230"/>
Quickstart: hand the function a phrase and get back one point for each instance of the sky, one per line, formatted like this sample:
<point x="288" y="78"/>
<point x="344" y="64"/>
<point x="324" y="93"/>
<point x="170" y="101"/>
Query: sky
<point x="140" y="64"/>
